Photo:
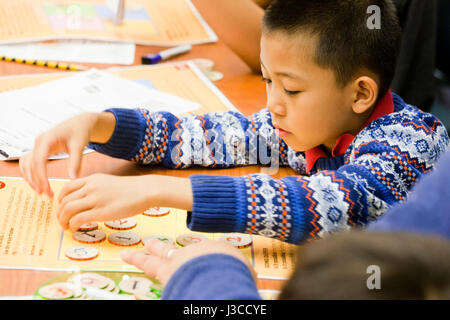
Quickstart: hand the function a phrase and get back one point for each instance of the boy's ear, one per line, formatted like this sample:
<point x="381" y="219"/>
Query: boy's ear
<point x="365" y="94"/>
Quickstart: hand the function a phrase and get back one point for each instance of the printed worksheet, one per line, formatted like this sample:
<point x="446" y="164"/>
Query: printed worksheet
<point x="31" y="237"/>
<point x="147" y="22"/>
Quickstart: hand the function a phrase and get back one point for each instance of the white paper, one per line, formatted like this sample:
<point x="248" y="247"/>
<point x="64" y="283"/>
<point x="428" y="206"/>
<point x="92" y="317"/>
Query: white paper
<point x="26" y="113"/>
<point x="73" y="51"/>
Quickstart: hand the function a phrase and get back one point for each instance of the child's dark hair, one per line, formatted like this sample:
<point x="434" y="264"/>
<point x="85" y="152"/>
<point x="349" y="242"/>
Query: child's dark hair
<point x="410" y="266"/>
<point x="345" y="43"/>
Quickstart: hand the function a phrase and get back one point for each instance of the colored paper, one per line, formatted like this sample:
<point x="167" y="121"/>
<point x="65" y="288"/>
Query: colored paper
<point x="147" y="22"/>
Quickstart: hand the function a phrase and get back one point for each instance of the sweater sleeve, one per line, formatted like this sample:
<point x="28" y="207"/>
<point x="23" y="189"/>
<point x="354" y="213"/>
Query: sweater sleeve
<point x="217" y="139"/>
<point x="212" y="277"/>
<point x="427" y="209"/>
<point x="380" y="168"/>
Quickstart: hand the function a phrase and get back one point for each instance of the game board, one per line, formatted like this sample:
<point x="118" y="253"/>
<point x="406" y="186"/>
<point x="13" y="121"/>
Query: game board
<point x="31" y="237"/>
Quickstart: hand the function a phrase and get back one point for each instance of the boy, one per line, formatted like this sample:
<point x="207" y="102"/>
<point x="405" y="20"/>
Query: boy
<point x="335" y="119"/>
<point x="408" y="247"/>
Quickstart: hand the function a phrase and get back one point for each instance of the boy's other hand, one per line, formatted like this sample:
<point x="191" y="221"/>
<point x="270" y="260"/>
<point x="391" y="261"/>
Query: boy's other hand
<point x="162" y="260"/>
<point x="71" y="136"/>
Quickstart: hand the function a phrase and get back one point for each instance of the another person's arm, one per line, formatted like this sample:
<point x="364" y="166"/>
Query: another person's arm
<point x="208" y="270"/>
<point x="238" y="24"/>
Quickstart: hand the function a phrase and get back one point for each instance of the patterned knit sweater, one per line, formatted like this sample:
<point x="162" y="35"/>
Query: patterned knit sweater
<point x="376" y="170"/>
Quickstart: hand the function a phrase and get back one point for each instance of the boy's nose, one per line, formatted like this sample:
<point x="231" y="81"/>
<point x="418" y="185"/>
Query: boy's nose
<point x="276" y="106"/>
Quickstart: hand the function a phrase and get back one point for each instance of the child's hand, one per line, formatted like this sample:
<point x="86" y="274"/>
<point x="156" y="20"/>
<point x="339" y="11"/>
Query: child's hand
<point x="163" y="260"/>
<point x="102" y="197"/>
<point x="71" y="136"/>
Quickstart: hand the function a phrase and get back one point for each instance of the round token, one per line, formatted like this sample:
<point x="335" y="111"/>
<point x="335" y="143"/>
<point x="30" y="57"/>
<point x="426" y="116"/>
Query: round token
<point x="88" y="226"/>
<point x="111" y="285"/>
<point x="213" y="75"/>
<point x="204" y="64"/>
<point x="122" y="224"/>
<point x="165" y="239"/>
<point x="237" y="240"/>
<point x="56" y="291"/>
<point x="135" y="285"/>
<point x="146" y="296"/>
<point x="93" y="236"/>
<point x="81" y="253"/>
<point x="90" y="279"/>
<point x="124" y="238"/>
<point x="157" y="212"/>
<point x="190" y="238"/>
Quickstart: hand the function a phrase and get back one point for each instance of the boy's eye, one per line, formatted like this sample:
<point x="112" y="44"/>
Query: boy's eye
<point x="291" y="93"/>
<point x="266" y="80"/>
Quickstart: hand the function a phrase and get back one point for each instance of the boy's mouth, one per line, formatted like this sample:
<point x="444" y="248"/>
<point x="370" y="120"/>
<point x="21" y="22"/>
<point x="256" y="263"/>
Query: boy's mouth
<point x="281" y="132"/>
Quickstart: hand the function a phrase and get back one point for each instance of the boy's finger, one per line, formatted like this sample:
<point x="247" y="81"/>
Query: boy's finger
<point x="40" y="157"/>
<point x="76" y="195"/>
<point x="70" y="187"/>
<point x="75" y="153"/>
<point x="25" y="170"/>
<point x="73" y="214"/>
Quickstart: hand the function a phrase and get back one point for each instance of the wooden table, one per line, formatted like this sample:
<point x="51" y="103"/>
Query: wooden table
<point x="244" y="89"/>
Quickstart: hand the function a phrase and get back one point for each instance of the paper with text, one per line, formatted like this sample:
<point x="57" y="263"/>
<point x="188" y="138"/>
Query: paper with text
<point x="147" y="22"/>
<point x="31" y="237"/>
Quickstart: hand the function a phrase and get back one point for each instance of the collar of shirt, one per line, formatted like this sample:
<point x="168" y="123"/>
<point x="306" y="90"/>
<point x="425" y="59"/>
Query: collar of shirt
<point x="384" y="106"/>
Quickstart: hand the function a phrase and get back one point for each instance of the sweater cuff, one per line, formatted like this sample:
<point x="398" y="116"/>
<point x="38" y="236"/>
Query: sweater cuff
<point x="127" y="136"/>
<point x="219" y="204"/>
<point x="213" y="276"/>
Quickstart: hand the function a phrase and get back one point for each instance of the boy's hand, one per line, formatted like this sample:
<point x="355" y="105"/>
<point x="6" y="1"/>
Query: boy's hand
<point x="162" y="260"/>
<point x="71" y="136"/>
<point x="103" y="197"/>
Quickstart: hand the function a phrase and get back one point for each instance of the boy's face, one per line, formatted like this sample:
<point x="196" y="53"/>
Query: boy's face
<point x="305" y="102"/>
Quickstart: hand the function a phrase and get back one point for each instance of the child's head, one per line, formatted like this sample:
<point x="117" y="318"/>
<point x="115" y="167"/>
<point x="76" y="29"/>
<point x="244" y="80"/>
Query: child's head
<point x="371" y="265"/>
<point x="326" y="66"/>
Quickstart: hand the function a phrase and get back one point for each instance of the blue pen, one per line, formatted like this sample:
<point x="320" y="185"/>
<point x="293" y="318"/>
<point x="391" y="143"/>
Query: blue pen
<point x="166" y="54"/>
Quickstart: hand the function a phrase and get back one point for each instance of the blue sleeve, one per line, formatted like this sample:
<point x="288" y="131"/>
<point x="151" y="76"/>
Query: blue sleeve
<point x="427" y="209"/>
<point x="215" y="139"/>
<point x="212" y="277"/>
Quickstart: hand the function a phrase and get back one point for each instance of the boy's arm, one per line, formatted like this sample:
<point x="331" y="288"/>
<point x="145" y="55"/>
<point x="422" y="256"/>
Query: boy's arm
<point x="380" y="169"/>
<point x="219" y="140"/>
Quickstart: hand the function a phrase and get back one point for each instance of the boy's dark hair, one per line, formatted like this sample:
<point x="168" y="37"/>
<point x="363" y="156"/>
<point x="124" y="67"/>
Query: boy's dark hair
<point x="345" y="43"/>
<point x="411" y="266"/>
